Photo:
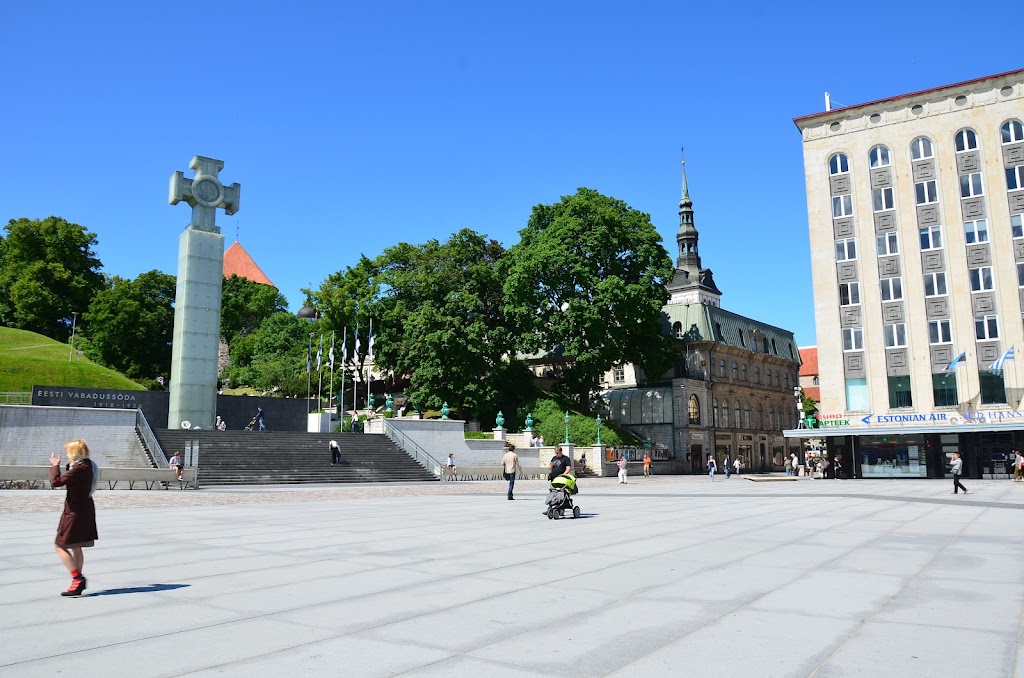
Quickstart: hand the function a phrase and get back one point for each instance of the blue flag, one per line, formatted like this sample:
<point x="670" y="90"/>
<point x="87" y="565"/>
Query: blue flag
<point x="959" y="359"/>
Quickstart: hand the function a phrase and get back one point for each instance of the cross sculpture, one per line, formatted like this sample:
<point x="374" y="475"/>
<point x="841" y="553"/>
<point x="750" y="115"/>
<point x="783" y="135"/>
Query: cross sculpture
<point x="195" y="345"/>
<point x="205" y="193"/>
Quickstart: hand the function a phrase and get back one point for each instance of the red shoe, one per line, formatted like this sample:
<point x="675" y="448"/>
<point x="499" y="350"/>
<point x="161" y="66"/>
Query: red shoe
<point x="76" y="588"/>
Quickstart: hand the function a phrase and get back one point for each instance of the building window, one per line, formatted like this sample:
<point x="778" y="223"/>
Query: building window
<point x="1017" y="224"/>
<point x="721" y="368"/>
<point x="857" y="399"/>
<point x="760" y="416"/>
<point x="976" y="231"/>
<point x="935" y="284"/>
<point x="743" y="372"/>
<point x="1012" y="131"/>
<point x="993" y="388"/>
<point x="926" y="192"/>
<point x="774" y="349"/>
<point x="846" y="249"/>
<point x="931" y="237"/>
<point x="772" y="424"/>
<point x="714" y="412"/>
<point x="787" y="380"/>
<point x="815" y="381"/>
<point x="725" y="413"/>
<point x="838" y="164"/>
<point x="970" y="185"/>
<point x="879" y="156"/>
<point x="887" y="243"/>
<point x="966" y="140"/>
<point x="986" y="327"/>
<point x="694" y="410"/>
<point x="944" y="389"/>
<point x="895" y="335"/>
<point x="1020" y="275"/>
<point x="899" y="392"/>
<point x="1014" y="177"/>
<point x="921" y="148"/>
<point x="853" y="339"/>
<point x="677" y="330"/>
<point x="743" y="342"/>
<point x="842" y="205"/>
<point x="881" y="199"/>
<point x="735" y="371"/>
<point x="849" y="294"/>
<point x="746" y="415"/>
<point x="757" y="374"/>
<point x="737" y="420"/>
<point x="939" y="332"/>
<point x="618" y="374"/>
<point x="892" y="289"/>
<point x="981" y="278"/>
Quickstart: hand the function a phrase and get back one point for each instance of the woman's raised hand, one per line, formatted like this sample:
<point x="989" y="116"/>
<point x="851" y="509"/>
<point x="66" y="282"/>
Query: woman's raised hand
<point x="54" y="459"/>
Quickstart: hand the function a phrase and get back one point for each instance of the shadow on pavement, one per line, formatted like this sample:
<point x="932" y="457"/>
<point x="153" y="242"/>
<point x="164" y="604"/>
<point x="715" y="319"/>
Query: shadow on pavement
<point x="152" y="588"/>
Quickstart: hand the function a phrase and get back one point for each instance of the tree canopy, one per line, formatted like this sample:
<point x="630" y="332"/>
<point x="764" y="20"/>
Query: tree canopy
<point x="130" y="323"/>
<point x="245" y="305"/>
<point x="272" y="357"/>
<point x="589" y="274"/>
<point x="48" y="270"/>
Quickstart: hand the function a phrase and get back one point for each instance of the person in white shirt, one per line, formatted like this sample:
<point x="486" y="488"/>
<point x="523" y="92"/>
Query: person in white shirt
<point x="510" y="467"/>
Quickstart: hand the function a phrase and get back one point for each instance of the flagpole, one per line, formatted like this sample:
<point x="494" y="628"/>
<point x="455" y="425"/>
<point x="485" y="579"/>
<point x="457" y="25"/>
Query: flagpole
<point x="330" y="375"/>
<point x="320" y="374"/>
<point x="309" y="354"/>
<point x="359" y="369"/>
<point x="369" y="375"/>
<point x="344" y="361"/>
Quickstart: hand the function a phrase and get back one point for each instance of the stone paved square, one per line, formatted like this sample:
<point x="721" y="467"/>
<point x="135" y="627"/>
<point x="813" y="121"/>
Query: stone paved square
<point x="666" y="576"/>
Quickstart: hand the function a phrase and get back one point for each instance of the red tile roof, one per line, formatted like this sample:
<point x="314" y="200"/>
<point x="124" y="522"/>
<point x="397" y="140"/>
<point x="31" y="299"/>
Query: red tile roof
<point x="238" y="262"/>
<point x="813" y="392"/>
<point x="809" y="361"/>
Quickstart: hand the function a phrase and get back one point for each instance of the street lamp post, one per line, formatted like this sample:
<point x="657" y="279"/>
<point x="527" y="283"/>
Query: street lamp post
<point x="567" y="427"/>
<point x="74" y="323"/>
<point x="598" y="428"/>
<point x="799" y="406"/>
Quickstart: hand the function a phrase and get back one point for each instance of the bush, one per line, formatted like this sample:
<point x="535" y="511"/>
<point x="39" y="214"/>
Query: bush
<point x="549" y="421"/>
<point x="479" y="435"/>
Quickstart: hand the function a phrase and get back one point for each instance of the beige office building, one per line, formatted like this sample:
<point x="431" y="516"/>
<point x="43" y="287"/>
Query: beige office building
<point x="914" y="206"/>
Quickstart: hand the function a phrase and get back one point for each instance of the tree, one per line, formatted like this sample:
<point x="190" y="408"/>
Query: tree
<point x="589" y="273"/>
<point x="47" y="270"/>
<point x="130" y="324"/>
<point x="273" y="357"/>
<point x="246" y="304"/>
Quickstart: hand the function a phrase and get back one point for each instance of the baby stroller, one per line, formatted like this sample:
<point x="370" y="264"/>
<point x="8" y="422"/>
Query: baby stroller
<point x="251" y="424"/>
<point x="560" y="497"/>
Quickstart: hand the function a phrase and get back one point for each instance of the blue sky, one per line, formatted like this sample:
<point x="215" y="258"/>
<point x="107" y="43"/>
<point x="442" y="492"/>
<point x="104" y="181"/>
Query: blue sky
<point x="355" y="126"/>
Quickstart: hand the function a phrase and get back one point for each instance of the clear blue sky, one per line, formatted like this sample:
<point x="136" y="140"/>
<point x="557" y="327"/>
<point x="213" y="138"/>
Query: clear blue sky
<point x="355" y="126"/>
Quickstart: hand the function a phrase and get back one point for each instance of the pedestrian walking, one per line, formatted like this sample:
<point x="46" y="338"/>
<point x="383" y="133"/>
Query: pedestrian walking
<point x="335" y="452"/>
<point x="647" y="464"/>
<point x="260" y="423"/>
<point x="837" y="465"/>
<point x="77" y="528"/>
<point x="559" y="464"/>
<point x="795" y="463"/>
<point x="510" y="467"/>
<point x="727" y="466"/>
<point x="622" y="469"/>
<point x="711" y="468"/>
<point x="450" y="466"/>
<point x="737" y="464"/>
<point x="1018" y="467"/>
<point x="957" y="468"/>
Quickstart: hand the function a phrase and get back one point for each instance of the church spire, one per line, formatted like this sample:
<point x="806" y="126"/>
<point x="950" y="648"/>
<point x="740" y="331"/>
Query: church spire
<point x="689" y="258"/>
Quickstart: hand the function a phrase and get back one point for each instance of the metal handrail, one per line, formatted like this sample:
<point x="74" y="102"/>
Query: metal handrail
<point x="16" y="397"/>
<point x="416" y="452"/>
<point x="145" y="432"/>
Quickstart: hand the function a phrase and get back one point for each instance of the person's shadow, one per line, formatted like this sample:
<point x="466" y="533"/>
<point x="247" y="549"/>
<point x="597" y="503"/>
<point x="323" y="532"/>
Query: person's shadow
<point x="152" y="588"/>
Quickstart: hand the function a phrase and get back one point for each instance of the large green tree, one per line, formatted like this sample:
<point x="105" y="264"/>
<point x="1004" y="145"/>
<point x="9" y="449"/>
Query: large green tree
<point x="272" y="358"/>
<point x="129" y="325"/>
<point x="48" y="270"/>
<point x="246" y="304"/>
<point x="589" y="273"/>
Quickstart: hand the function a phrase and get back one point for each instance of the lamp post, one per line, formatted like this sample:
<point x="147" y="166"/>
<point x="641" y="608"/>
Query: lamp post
<point x="598" y="428"/>
<point x="74" y="323"/>
<point x="798" y="394"/>
<point x="567" y="427"/>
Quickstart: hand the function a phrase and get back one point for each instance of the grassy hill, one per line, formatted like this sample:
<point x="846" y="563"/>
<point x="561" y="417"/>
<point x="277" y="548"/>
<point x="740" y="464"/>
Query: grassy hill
<point x="27" y="358"/>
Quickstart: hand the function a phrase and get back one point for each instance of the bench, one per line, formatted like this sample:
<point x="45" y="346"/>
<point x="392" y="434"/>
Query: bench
<point x="32" y="477"/>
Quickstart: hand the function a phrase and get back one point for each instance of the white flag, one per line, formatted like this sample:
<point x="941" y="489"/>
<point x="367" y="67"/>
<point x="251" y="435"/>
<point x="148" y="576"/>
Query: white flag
<point x="320" y="353"/>
<point x="330" y="353"/>
<point x="369" y="348"/>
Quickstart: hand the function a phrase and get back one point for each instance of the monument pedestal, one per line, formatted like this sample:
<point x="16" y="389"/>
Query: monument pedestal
<point x="499" y="433"/>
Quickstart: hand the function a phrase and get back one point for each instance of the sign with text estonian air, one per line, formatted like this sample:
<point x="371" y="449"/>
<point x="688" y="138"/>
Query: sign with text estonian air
<point x="924" y="418"/>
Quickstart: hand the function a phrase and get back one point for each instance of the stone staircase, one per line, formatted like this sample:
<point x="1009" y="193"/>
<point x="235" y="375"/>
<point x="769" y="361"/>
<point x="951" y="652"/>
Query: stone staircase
<point x="280" y="458"/>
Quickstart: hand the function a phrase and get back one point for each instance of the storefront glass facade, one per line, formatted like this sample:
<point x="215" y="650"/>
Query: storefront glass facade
<point x="894" y="456"/>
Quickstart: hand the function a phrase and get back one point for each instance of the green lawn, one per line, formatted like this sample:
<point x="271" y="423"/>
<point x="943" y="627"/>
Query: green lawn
<point x="27" y="358"/>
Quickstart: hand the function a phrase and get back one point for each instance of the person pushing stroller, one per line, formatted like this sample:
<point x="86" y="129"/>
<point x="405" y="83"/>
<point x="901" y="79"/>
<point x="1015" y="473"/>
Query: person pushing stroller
<point x="559" y="500"/>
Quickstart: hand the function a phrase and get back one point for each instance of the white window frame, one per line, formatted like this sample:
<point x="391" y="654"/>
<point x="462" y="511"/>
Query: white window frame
<point x="974" y="234"/>
<point x="878" y="156"/>
<point x="618" y="375"/>
<point x="932" y="231"/>
<point x="846" y="249"/>
<point x="926" y="192"/>
<point x="986" y="327"/>
<point x="882" y="199"/>
<point x="971" y="185"/>
<point x="940" y="332"/>
<point x="1015" y="178"/>
<point x="1012" y="132"/>
<point x="892" y="288"/>
<point x="966" y="140"/>
<point x="981" y="279"/>
<point x="853" y="339"/>
<point x="887" y="243"/>
<point x="852" y="290"/>
<point x="842" y="206"/>
<point x="921" y="148"/>
<point x="935" y="278"/>
<point x="895" y="335"/>
<point x="842" y="165"/>
<point x="1017" y="225"/>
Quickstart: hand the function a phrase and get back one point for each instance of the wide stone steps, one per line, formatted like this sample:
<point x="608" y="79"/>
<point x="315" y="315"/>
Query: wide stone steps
<point x="254" y="458"/>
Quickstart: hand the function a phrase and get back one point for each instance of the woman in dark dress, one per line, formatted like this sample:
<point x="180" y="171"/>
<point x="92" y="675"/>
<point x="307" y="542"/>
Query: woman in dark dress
<point x="77" y="529"/>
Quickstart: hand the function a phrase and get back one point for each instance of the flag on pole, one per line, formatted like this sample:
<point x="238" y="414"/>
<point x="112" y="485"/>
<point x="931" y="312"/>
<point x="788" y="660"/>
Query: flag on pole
<point x="330" y="354"/>
<point x="320" y="353"/>
<point x="959" y="359"/>
<point x="344" y="348"/>
<point x="355" y="353"/>
<point x="309" y="355"/>
<point x="369" y="348"/>
<point x="998" y="365"/>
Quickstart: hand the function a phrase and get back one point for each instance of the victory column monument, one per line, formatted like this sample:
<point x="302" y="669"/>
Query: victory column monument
<point x="193" y="386"/>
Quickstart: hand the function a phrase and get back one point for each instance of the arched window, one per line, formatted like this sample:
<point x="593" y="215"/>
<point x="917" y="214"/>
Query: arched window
<point x="677" y="330"/>
<point x="757" y="374"/>
<point x="739" y="415"/>
<point x="966" y="140"/>
<point x="694" y="409"/>
<point x="743" y="372"/>
<point x="879" y="156"/>
<point x="746" y="414"/>
<point x="1012" y="131"/>
<point x="815" y="381"/>
<point x="787" y="380"/>
<point x="838" y="164"/>
<point x="714" y="412"/>
<point x="921" y="148"/>
<point x="760" y="416"/>
<point x="725" y="413"/>
<point x="771" y="418"/>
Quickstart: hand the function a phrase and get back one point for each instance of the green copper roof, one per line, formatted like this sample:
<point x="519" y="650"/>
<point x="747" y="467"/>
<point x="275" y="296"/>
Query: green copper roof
<point x="701" y="322"/>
